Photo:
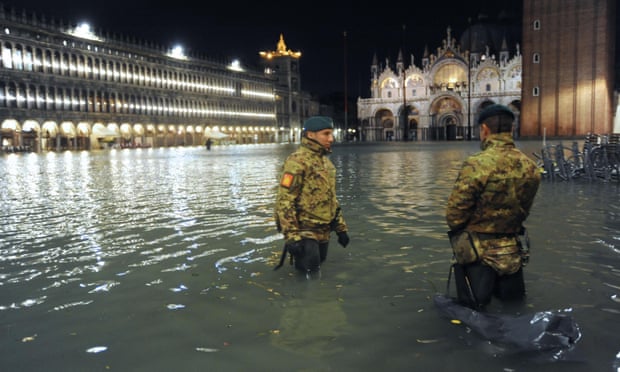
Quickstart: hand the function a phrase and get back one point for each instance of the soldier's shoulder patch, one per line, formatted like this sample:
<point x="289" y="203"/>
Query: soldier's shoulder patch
<point x="287" y="180"/>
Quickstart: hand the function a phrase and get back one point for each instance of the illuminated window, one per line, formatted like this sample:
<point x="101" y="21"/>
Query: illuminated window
<point x="38" y="60"/>
<point x="450" y="73"/>
<point x="7" y="57"/>
<point x="48" y="62"/>
<point x="41" y="98"/>
<point x="2" y="96"/>
<point x="28" y="59"/>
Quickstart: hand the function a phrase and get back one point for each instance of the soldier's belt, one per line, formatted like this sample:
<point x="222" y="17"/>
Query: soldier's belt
<point x="470" y="246"/>
<point x="313" y="226"/>
<point x="493" y="236"/>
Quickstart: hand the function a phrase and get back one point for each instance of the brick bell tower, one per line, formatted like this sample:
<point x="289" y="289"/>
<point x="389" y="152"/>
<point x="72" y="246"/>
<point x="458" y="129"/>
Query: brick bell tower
<point x="568" y="67"/>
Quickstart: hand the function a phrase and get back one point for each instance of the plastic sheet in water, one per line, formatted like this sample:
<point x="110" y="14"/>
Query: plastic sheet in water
<point x="554" y="332"/>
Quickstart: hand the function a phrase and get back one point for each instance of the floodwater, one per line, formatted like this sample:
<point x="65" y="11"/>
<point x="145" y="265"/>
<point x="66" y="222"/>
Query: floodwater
<point x="162" y="260"/>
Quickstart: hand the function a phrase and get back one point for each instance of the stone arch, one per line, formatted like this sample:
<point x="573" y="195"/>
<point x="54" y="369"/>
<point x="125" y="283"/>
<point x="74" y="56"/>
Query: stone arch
<point x="386" y="122"/>
<point x="9" y="130"/>
<point x="411" y="118"/>
<point x="446" y="118"/>
<point x="30" y="135"/>
<point x="83" y="135"/>
<point x="49" y="135"/>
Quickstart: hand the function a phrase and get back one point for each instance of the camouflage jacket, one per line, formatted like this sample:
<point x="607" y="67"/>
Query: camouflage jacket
<point x="493" y="194"/>
<point x="306" y="201"/>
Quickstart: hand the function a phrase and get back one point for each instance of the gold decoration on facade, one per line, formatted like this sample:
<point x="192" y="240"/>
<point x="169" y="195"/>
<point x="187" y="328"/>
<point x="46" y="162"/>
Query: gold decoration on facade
<point x="280" y="51"/>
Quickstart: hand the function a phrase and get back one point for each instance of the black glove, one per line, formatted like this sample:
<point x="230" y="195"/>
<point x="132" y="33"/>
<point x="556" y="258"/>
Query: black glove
<point x="343" y="239"/>
<point x="295" y="248"/>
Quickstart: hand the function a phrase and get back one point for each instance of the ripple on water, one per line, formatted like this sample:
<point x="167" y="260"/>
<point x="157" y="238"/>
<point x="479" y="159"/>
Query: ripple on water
<point x="178" y="242"/>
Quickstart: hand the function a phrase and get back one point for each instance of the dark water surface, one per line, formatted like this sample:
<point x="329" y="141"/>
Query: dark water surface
<point x="162" y="260"/>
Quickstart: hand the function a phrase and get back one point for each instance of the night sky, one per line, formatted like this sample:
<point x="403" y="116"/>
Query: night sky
<point x="316" y="28"/>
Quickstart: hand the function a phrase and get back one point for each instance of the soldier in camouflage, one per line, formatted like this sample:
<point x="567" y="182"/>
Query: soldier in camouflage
<point x="307" y="209"/>
<point x="490" y="200"/>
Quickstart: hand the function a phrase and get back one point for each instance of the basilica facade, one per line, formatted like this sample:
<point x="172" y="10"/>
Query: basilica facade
<point x="441" y="98"/>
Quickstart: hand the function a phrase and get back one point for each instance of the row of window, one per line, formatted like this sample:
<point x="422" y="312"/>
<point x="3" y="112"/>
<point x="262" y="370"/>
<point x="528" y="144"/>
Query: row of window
<point x="30" y="96"/>
<point x="536" y="57"/>
<point x="21" y="57"/>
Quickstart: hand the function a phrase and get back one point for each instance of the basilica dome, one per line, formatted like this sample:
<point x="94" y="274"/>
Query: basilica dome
<point x="486" y="32"/>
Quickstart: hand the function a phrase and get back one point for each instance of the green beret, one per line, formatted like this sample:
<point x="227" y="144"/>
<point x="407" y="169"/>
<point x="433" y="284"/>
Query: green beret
<point x="495" y="110"/>
<point x="317" y="123"/>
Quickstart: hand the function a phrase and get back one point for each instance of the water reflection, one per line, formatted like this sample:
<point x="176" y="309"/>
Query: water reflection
<point x="161" y="259"/>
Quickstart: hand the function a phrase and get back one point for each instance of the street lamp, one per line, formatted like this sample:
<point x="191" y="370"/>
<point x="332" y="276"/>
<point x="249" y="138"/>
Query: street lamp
<point x="469" y="84"/>
<point x="405" y="115"/>
<point x="346" y="108"/>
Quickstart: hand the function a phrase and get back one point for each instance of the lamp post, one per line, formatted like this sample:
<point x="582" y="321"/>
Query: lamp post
<point x="404" y="112"/>
<point x="469" y="84"/>
<point x="405" y="115"/>
<point x="346" y="108"/>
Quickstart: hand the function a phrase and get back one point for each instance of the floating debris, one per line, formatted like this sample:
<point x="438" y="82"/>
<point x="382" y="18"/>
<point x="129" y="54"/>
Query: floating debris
<point x="427" y="341"/>
<point x="30" y="302"/>
<point x="97" y="349"/>
<point x="207" y="349"/>
<point x="175" y="306"/>
<point x="29" y="338"/>
<point x="104" y="286"/>
<point x="180" y="288"/>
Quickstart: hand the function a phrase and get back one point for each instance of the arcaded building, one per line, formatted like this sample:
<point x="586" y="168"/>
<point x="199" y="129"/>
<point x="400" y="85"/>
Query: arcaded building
<point x="69" y="87"/>
<point x="568" y="67"/>
<point x="441" y="98"/>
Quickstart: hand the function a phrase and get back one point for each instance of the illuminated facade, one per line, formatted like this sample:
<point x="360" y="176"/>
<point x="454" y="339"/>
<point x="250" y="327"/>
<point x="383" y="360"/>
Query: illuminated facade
<point x="293" y="105"/>
<point x="66" y="87"/>
<point x="436" y="101"/>
<point x="568" y="67"/>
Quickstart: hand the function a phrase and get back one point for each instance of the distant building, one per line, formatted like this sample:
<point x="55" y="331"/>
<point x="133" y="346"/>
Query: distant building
<point x="293" y="106"/>
<point x="441" y="99"/>
<point x="66" y="87"/>
<point x="568" y="67"/>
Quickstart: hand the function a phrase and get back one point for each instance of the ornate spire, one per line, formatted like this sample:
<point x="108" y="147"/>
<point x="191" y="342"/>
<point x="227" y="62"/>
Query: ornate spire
<point x="281" y="45"/>
<point x="281" y="50"/>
